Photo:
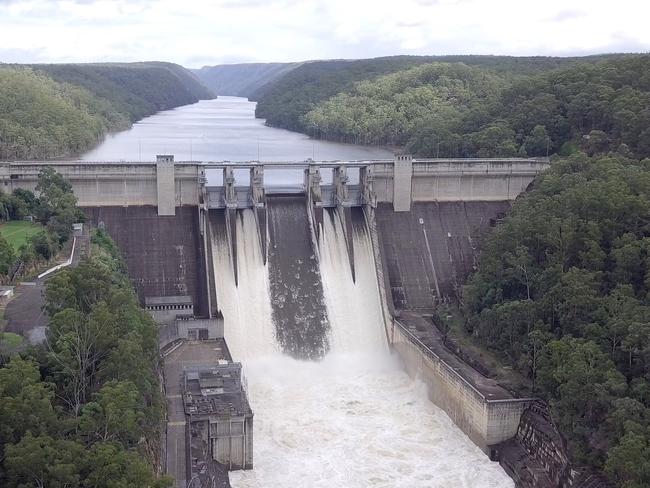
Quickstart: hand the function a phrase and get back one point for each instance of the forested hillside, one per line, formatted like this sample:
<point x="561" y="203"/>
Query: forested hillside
<point x="136" y="89"/>
<point x="429" y="104"/>
<point x="562" y="294"/>
<point x="49" y="111"/>
<point x="485" y="106"/>
<point x="242" y="80"/>
<point x="285" y="102"/>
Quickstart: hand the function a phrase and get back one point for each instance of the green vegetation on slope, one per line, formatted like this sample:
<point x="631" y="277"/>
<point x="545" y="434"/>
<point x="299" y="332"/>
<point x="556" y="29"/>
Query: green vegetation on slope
<point x="488" y="106"/>
<point x="49" y="111"/>
<point x="562" y="293"/>
<point x="241" y="80"/>
<point x="445" y="99"/>
<point x="134" y="89"/>
<point x="86" y="410"/>
<point x="19" y="232"/>
<point x="285" y="102"/>
<point x="34" y="245"/>
<point x="41" y="118"/>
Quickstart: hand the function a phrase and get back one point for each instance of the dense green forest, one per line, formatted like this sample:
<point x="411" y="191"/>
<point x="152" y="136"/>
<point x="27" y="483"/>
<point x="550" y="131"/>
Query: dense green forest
<point x="562" y="294"/>
<point x="134" y="89"/>
<point x="85" y="410"/>
<point x="49" y="111"/>
<point x="285" y="101"/>
<point x="484" y="106"/>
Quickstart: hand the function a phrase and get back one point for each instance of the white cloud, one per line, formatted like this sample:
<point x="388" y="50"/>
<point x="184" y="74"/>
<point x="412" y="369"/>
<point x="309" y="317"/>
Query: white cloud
<point x="194" y="33"/>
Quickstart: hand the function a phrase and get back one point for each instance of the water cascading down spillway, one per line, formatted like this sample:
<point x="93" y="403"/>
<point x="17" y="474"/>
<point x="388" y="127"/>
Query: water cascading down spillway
<point x="333" y="408"/>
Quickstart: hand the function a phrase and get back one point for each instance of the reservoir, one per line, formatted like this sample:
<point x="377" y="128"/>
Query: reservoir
<point x="223" y="129"/>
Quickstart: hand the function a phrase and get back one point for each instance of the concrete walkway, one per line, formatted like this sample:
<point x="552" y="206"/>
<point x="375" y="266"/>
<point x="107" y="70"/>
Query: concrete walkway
<point x="24" y="313"/>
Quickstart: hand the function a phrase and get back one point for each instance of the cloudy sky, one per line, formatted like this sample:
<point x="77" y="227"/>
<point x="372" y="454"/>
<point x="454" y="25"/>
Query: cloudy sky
<point x="196" y="33"/>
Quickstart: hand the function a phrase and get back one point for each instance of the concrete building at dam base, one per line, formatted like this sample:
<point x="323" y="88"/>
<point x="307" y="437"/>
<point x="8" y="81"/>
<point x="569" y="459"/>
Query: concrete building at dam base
<point x="425" y="219"/>
<point x="219" y="413"/>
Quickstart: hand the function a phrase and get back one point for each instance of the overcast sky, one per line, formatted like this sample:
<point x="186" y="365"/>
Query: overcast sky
<point x="196" y="33"/>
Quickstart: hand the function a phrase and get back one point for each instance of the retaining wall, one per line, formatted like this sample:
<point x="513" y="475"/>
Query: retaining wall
<point x="484" y="421"/>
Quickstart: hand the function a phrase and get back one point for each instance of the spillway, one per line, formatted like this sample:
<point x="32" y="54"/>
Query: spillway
<point x="352" y="418"/>
<point x="246" y="306"/>
<point x="353" y="305"/>
<point x="296" y="291"/>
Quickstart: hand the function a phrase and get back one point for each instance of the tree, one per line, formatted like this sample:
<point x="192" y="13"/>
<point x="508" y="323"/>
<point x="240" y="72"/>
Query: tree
<point x="597" y="142"/>
<point x="44" y="462"/>
<point x="57" y="204"/>
<point x="538" y="142"/>
<point x="494" y="140"/>
<point x="25" y="402"/>
<point x="44" y="246"/>
<point x="7" y="256"/>
<point x="114" y="414"/>
<point x="74" y="355"/>
<point x="60" y="293"/>
<point x="582" y="383"/>
<point x="628" y="463"/>
<point x="112" y="467"/>
<point x="26" y="200"/>
<point x="536" y="344"/>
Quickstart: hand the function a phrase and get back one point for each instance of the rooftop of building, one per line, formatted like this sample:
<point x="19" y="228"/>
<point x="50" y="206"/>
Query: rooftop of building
<point x="215" y="389"/>
<point x="179" y="355"/>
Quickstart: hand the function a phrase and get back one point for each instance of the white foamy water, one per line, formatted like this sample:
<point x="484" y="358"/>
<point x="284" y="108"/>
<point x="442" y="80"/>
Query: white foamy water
<point x="246" y="308"/>
<point x="354" y="419"/>
<point x="353" y="307"/>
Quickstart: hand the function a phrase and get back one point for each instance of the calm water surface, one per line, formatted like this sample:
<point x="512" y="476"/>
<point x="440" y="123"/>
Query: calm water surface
<point x="224" y="129"/>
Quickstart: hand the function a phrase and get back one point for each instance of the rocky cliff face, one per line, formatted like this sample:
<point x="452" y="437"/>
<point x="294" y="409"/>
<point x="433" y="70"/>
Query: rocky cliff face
<point x="537" y="456"/>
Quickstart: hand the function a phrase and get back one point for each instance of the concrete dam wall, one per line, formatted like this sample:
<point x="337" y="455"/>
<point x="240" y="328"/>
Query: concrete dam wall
<point x="163" y="253"/>
<point x="426" y="255"/>
<point x="430" y="250"/>
<point x="165" y="257"/>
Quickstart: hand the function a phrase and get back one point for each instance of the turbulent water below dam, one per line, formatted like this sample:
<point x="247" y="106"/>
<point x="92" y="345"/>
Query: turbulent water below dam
<point x="353" y="418"/>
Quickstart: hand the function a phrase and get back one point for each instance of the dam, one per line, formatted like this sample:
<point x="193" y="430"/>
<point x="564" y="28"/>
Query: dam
<point x="325" y="287"/>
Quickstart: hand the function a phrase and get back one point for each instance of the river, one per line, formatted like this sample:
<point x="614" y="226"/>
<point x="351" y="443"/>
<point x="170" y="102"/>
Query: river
<point x="223" y="129"/>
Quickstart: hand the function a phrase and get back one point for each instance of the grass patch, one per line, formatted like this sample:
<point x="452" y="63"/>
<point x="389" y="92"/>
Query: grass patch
<point x="18" y="232"/>
<point x="10" y="344"/>
<point x="10" y="339"/>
